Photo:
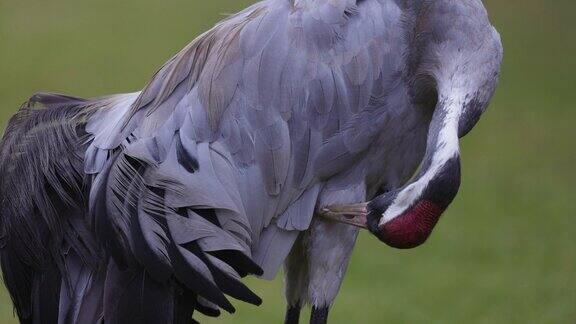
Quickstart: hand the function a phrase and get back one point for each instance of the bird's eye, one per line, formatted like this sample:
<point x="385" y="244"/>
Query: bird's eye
<point x="424" y="92"/>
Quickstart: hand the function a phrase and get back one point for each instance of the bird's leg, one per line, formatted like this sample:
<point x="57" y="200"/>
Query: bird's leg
<point x="329" y="249"/>
<point x="319" y="315"/>
<point x="292" y="314"/>
<point x="296" y="279"/>
<point x="351" y="214"/>
<point x="329" y="246"/>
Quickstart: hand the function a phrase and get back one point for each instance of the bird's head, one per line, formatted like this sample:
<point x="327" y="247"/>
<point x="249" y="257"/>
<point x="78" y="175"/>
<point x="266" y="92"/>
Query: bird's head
<point x="455" y="54"/>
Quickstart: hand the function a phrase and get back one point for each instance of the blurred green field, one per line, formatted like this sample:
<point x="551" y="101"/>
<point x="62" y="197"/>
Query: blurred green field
<point x="505" y="252"/>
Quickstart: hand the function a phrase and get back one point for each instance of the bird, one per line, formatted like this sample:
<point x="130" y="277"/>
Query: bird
<point x="269" y="141"/>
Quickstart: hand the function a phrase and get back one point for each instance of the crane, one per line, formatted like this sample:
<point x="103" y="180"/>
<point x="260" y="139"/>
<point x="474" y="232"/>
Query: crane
<point x="269" y="140"/>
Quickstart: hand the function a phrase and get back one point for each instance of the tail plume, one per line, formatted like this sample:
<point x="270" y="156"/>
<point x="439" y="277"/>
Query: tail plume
<point x="41" y="180"/>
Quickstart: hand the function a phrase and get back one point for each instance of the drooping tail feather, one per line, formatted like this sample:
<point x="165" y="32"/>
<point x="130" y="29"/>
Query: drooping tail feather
<point x="41" y="179"/>
<point x="87" y="248"/>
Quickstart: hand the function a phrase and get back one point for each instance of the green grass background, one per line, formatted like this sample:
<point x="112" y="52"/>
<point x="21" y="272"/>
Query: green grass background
<point x="505" y="252"/>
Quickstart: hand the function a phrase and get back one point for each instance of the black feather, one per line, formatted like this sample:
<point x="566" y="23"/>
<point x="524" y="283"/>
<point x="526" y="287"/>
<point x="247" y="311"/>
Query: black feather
<point x="46" y="295"/>
<point x="239" y="261"/>
<point x="132" y="296"/>
<point x="207" y="214"/>
<point x="149" y="238"/>
<point x="196" y="281"/>
<point x="184" y="305"/>
<point x="187" y="161"/>
<point x="207" y="311"/>
<point x="41" y="190"/>
<point x="227" y="284"/>
<point x="105" y="228"/>
<point x="18" y="280"/>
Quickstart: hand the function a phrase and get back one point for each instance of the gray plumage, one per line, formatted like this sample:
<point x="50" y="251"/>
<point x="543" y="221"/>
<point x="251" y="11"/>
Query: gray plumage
<point x="213" y="170"/>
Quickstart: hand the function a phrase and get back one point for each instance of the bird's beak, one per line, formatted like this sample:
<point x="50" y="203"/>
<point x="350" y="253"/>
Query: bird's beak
<point x="354" y="214"/>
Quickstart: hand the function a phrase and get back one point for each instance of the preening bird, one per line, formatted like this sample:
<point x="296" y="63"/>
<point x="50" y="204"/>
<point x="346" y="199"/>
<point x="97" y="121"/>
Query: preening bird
<point x="260" y="144"/>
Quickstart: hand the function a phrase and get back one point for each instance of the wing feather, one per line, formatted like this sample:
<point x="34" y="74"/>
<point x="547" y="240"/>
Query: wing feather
<point x="239" y="131"/>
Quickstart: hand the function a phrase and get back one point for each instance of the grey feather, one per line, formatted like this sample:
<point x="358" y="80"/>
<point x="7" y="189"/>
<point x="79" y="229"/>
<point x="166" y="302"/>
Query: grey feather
<point x="274" y="245"/>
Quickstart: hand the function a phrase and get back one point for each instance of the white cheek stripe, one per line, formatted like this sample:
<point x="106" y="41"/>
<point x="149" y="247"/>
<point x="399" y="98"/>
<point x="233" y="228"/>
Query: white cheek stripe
<point x="446" y="148"/>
